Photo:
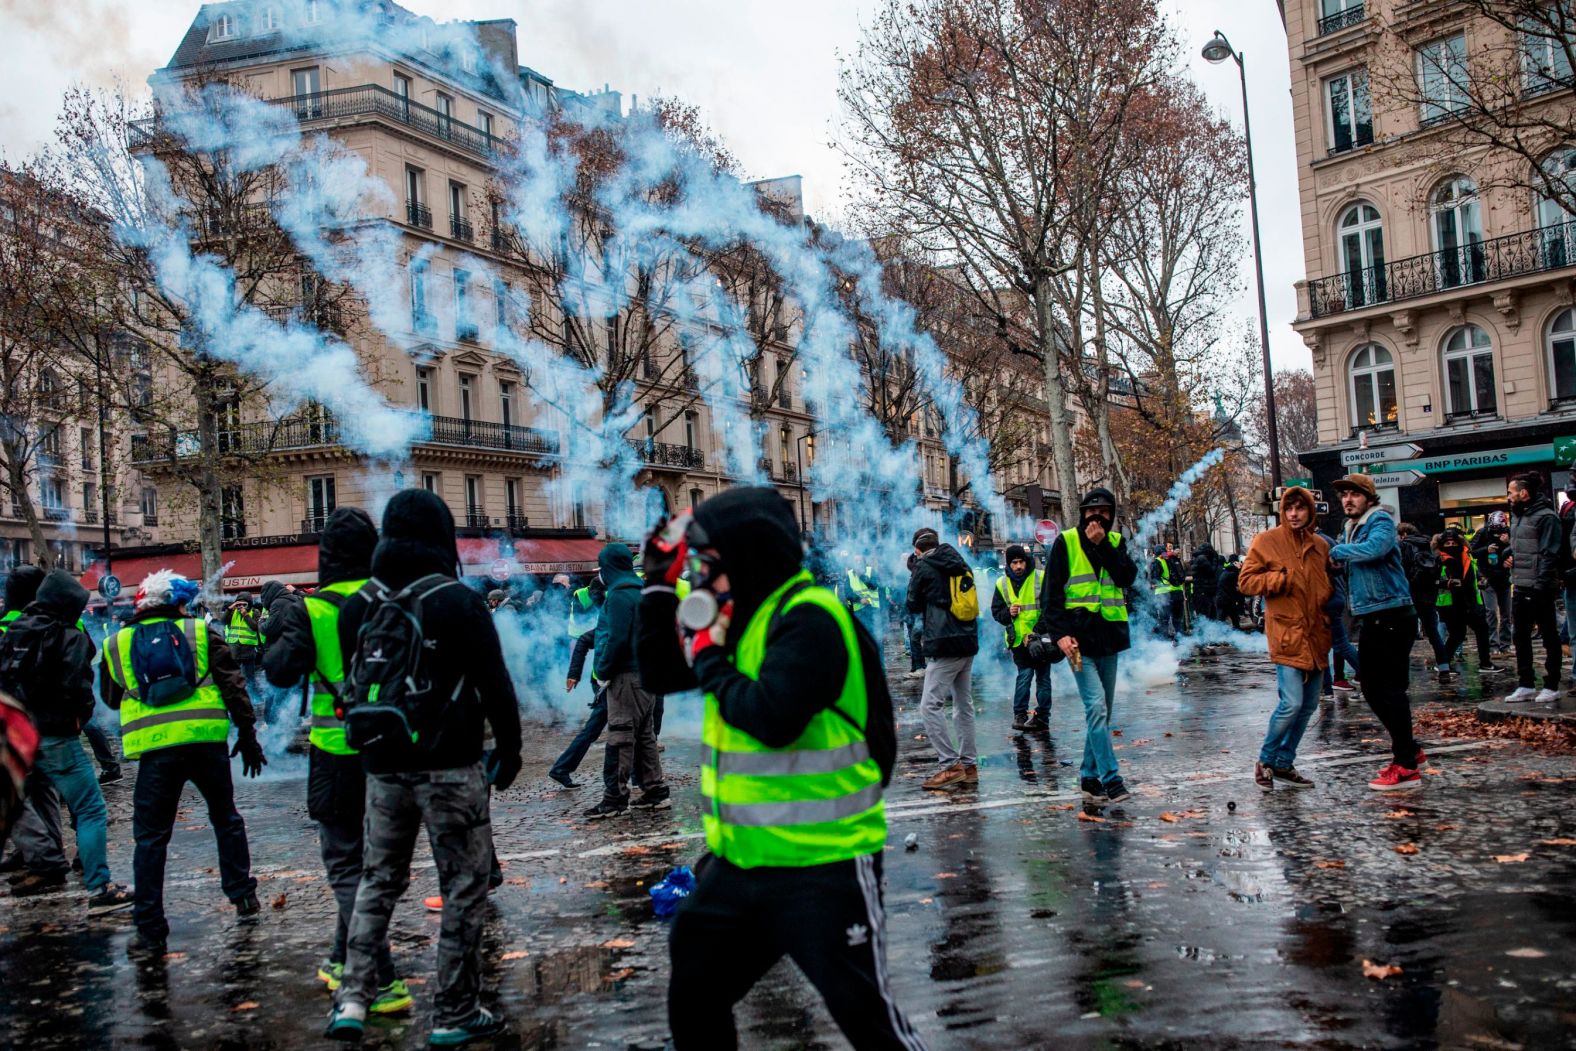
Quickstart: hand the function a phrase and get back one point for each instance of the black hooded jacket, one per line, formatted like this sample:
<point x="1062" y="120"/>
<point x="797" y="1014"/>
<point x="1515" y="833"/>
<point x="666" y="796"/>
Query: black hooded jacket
<point x="1206" y="571"/>
<point x="61" y="698"/>
<point x="616" y="623"/>
<point x="930" y="593"/>
<point x="20" y="587"/>
<point x="335" y="784"/>
<point x="757" y="541"/>
<point x="418" y="540"/>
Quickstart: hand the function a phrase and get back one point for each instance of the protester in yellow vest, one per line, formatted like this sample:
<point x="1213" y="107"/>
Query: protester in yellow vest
<point x="796" y="727"/>
<point x="1084" y="608"/>
<point x="178" y="690"/>
<point x="303" y="644"/>
<point x="1015" y="604"/>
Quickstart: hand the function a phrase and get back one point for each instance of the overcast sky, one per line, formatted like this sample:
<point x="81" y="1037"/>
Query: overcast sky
<point x="764" y="73"/>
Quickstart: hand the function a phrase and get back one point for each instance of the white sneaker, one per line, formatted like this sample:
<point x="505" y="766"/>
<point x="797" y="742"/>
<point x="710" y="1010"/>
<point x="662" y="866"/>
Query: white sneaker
<point x="1545" y="696"/>
<point x="1520" y="693"/>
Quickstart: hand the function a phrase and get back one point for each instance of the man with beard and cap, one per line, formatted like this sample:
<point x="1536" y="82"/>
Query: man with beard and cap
<point x="950" y="646"/>
<point x="1535" y="574"/>
<point x="1015" y="604"/>
<point x="1289" y="566"/>
<point x="46" y="663"/>
<point x="437" y="780"/>
<point x="178" y="691"/>
<point x="1083" y="608"/>
<point x="631" y="709"/>
<point x="797" y="746"/>
<point x="302" y="636"/>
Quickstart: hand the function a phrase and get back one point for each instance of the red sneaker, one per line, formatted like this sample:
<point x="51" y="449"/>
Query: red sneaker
<point x="1343" y="685"/>
<point x="1395" y="776"/>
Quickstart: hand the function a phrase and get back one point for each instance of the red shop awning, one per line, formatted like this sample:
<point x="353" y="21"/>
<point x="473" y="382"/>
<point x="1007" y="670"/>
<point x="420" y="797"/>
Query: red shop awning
<point x="531" y="556"/>
<point x="249" y="569"/>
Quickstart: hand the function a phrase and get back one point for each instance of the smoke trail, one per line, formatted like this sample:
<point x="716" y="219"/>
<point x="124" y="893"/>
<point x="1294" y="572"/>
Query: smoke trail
<point x="1180" y="490"/>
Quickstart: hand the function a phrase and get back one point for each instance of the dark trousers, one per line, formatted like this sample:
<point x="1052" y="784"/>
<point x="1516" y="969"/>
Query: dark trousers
<point x="1433" y="633"/>
<point x="98" y="740"/>
<point x="828" y="919"/>
<point x="453" y="806"/>
<point x="1384" y="646"/>
<point x="1535" y="609"/>
<point x="1458" y="617"/>
<point x="161" y="776"/>
<point x="341" y="845"/>
<point x="37" y="833"/>
<point x="575" y="754"/>
<point x="631" y="740"/>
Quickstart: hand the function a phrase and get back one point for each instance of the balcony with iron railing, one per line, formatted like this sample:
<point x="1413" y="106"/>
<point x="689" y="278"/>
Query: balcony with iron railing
<point x="1514" y="255"/>
<point x="476" y="517"/>
<point x="418" y="214"/>
<point x="364" y="100"/>
<point x="663" y="454"/>
<point x="314" y="523"/>
<point x="325" y="316"/>
<point x="1341" y="20"/>
<point x="483" y="434"/>
<point x="516" y="521"/>
<point x="55" y="513"/>
<point x="461" y="229"/>
<point x="239" y="440"/>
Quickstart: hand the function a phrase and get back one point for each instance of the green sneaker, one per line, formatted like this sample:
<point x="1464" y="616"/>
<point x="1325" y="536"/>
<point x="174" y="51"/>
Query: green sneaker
<point x="331" y="974"/>
<point x="392" y="999"/>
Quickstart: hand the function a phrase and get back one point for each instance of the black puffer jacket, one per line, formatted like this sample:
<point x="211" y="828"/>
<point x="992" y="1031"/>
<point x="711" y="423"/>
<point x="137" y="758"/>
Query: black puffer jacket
<point x="60" y="698"/>
<point x="1535" y="541"/>
<point x="930" y="593"/>
<point x="336" y="784"/>
<point x="418" y="540"/>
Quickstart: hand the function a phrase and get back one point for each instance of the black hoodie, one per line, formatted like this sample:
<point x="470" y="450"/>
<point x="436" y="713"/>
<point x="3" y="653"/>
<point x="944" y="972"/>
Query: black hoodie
<point x="21" y="586"/>
<point x="614" y="640"/>
<point x="757" y="541"/>
<point x="418" y="540"/>
<point x="335" y="784"/>
<point x="63" y="656"/>
<point x="930" y="593"/>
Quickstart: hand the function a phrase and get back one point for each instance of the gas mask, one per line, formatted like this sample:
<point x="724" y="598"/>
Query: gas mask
<point x="698" y="611"/>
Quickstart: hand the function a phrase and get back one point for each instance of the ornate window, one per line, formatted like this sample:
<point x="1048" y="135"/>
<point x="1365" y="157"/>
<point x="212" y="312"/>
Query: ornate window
<point x="1362" y="255"/>
<point x="1469" y="373"/>
<point x="1373" y="387"/>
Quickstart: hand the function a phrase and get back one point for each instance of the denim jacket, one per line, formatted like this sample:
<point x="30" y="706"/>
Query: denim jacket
<point x="1372" y="553"/>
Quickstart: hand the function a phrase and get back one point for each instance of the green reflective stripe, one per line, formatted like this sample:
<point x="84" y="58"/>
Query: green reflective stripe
<point x="787" y="764"/>
<point x="174" y="715"/>
<point x="802" y="812"/>
<point x="326" y="722"/>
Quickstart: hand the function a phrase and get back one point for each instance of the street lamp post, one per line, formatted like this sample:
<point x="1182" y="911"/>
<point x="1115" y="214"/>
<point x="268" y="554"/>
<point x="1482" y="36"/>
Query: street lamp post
<point x="1217" y="50"/>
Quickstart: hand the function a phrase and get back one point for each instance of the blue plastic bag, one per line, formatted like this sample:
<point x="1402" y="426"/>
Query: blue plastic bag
<point x="674" y="888"/>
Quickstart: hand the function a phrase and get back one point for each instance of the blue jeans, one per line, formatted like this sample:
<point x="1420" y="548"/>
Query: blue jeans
<point x="595" y="723"/>
<point x="1299" y="699"/>
<point x="1345" y="652"/>
<point x="1041" y="678"/>
<point x="62" y="760"/>
<point x="1097" y="689"/>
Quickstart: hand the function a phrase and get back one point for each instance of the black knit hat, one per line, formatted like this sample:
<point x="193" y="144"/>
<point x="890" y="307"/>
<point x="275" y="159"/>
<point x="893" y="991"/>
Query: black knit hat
<point x="1015" y="552"/>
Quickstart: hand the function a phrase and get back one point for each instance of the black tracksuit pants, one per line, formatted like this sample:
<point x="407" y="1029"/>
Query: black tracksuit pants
<point x="1535" y="609"/>
<point x="1458" y="617"/>
<point x="1384" y="648"/>
<point x="739" y="922"/>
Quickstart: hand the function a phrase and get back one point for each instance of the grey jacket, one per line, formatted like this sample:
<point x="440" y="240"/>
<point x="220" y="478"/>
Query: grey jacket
<point x="1535" y="543"/>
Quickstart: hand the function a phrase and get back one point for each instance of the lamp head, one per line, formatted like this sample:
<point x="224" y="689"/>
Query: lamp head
<point x="1218" y="49"/>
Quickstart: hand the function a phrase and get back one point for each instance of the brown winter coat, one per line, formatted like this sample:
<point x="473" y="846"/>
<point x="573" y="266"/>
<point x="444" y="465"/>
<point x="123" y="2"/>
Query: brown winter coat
<point x="1290" y="568"/>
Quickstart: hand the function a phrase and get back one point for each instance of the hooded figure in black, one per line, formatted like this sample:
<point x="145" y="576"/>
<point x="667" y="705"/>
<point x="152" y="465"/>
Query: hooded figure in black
<point x="740" y="920"/>
<point x="20" y="587"/>
<point x="58" y="692"/>
<point x="1206" y="579"/>
<point x="335" y="783"/>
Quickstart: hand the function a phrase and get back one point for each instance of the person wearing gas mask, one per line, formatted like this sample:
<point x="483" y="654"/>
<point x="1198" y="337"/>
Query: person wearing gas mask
<point x="1083" y="609"/>
<point x="798" y="746"/>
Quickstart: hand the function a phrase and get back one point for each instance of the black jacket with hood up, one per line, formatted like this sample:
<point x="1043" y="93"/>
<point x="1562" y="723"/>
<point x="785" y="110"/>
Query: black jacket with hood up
<point x="21" y="586"/>
<point x="930" y="593"/>
<point x="336" y="785"/>
<point x="614" y="639"/>
<point x="757" y="540"/>
<point x="64" y="656"/>
<point x="418" y="540"/>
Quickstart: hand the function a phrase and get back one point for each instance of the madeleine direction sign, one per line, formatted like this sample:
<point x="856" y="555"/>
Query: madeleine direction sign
<point x="1381" y="454"/>
<point x="1396" y="479"/>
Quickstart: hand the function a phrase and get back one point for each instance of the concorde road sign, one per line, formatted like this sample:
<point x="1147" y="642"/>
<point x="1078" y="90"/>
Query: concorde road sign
<point x="1381" y="454"/>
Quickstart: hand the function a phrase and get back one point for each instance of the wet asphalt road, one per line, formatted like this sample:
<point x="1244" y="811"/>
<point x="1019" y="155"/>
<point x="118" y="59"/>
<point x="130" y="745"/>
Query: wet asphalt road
<point x="1176" y="921"/>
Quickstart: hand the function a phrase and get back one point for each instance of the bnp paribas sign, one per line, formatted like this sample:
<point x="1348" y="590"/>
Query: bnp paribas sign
<point x="1562" y="452"/>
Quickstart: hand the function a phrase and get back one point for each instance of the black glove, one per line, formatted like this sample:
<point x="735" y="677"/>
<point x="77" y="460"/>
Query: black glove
<point x="505" y="768"/>
<point x="662" y="558"/>
<point x="251" y="753"/>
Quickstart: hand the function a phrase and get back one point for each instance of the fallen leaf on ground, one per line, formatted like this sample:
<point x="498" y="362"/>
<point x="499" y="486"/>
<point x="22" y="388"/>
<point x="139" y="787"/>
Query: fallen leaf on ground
<point x="1397" y="814"/>
<point x="1168" y="733"/>
<point x="250" y="1005"/>
<point x="518" y="954"/>
<point x="1432" y="771"/>
<point x="1527" y="954"/>
<point x="280" y="901"/>
<point x="1562" y="842"/>
<point x="1158" y="884"/>
<point x="946" y="875"/>
<point x="618" y="943"/>
<point x="1116" y="733"/>
<point x="1086" y="816"/>
<point x="620" y="975"/>
<point x="1511" y="859"/>
<point x="415" y="981"/>
<point x="563" y="879"/>
<point x="927" y="901"/>
<point x="1169" y="817"/>
<point x="637" y="850"/>
<point x="1406" y="848"/>
<point x="1136" y="744"/>
<point x="518" y="881"/>
<point x="1380" y="970"/>
<point x="1134" y="983"/>
<point x="1330" y="864"/>
<point x="1446" y="828"/>
<point x="175" y="956"/>
<point x="596" y="884"/>
<point x="1063" y="806"/>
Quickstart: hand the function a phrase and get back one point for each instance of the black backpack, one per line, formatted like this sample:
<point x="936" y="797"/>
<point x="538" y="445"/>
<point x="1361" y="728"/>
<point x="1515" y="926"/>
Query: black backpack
<point x="390" y="704"/>
<point x="23" y="653"/>
<point x="880" y="729"/>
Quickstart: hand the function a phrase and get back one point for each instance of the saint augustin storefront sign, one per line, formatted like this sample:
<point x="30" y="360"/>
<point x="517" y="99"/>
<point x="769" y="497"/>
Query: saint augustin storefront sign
<point x="1472" y="461"/>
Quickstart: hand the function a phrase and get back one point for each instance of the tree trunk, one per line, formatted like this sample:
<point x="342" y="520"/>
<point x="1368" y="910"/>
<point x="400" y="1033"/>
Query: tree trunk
<point x="16" y="476"/>
<point x="209" y="485"/>
<point x="1056" y="401"/>
<point x="1101" y="409"/>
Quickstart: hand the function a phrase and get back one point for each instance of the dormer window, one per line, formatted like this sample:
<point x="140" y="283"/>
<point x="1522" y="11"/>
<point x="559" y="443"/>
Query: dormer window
<point x="311" y="12"/>
<point x="468" y="60"/>
<point x="224" y="27"/>
<point x="271" y="20"/>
